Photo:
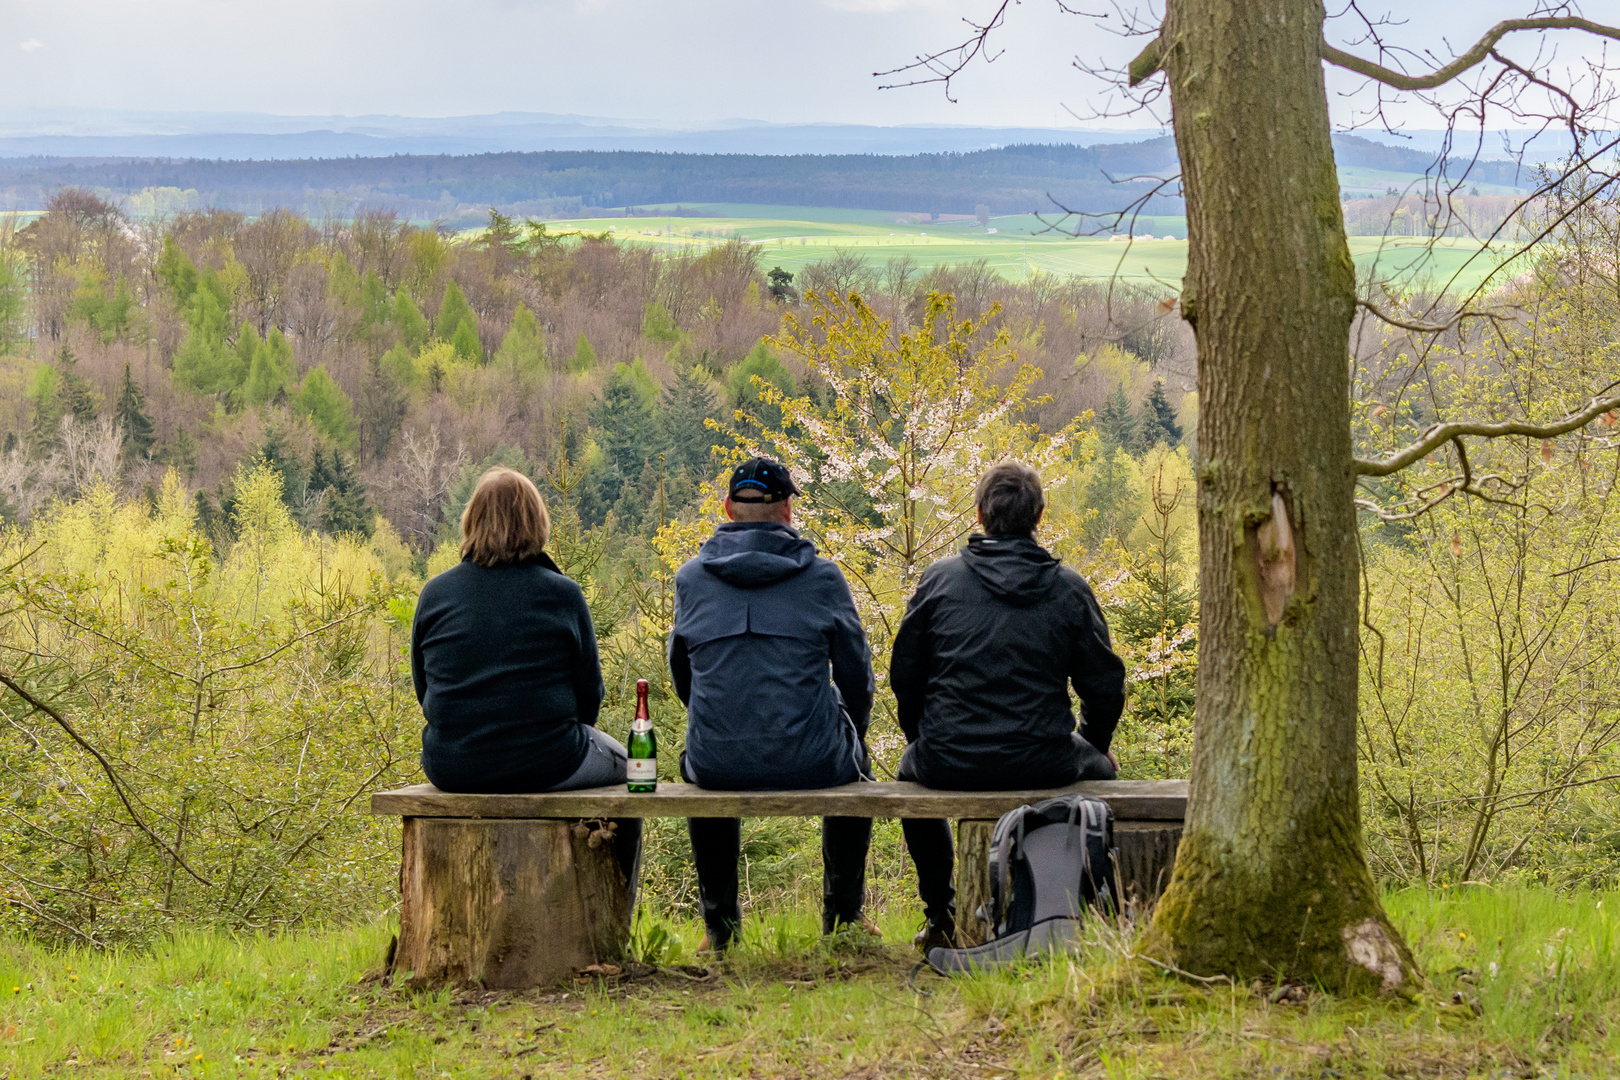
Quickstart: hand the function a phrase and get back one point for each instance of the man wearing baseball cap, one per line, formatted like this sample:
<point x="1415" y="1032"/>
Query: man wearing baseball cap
<point x="769" y="656"/>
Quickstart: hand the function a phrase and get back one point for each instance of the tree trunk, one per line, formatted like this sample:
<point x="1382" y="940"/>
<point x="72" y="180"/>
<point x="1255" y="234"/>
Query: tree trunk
<point x="1271" y="879"/>
<point x="506" y="904"/>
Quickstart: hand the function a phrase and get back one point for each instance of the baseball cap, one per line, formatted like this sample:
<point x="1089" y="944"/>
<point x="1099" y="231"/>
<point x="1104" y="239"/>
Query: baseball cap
<point x="762" y="480"/>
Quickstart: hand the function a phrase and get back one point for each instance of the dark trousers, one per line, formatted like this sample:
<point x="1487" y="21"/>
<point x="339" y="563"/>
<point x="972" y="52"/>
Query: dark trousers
<point x="929" y="839"/>
<point x="717" y="846"/>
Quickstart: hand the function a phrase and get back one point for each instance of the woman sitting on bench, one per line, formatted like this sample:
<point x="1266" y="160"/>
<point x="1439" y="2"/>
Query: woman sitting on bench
<point x="504" y="659"/>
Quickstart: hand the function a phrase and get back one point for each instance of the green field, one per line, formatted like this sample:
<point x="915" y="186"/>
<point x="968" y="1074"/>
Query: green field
<point x="792" y="237"/>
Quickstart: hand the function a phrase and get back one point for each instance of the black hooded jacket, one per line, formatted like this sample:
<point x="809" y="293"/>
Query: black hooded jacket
<point x="760" y="624"/>
<point x="981" y="666"/>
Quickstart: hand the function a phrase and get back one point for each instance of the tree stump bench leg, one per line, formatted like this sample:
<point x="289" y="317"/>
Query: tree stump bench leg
<point x="1145" y="854"/>
<point x="506" y="903"/>
<point x="972" y="881"/>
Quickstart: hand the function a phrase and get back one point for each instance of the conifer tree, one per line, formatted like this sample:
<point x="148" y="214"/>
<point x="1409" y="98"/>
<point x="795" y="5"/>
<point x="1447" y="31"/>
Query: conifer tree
<point x="623" y="427"/>
<point x="761" y="361"/>
<point x="384" y="399"/>
<point x="466" y="344"/>
<point x="409" y="321"/>
<point x="374" y="310"/>
<point x="322" y="400"/>
<point x="45" y="432"/>
<point x="344" y="508"/>
<point x="75" y="397"/>
<point x="624" y="423"/>
<point x="177" y="271"/>
<point x="658" y="324"/>
<point x="130" y="412"/>
<point x="584" y="358"/>
<point x="1157" y="423"/>
<point x="247" y="347"/>
<point x="523" y="349"/>
<point x="1116" y="424"/>
<point x="453" y="311"/>
<point x="206" y="363"/>
<point x="272" y="373"/>
<point x="280" y="456"/>
<point x="687" y="442"/>
<point x="181" y="454"/>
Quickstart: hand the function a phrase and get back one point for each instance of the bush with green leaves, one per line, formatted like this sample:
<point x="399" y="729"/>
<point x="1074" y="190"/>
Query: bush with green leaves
<point x="190" y="739"/>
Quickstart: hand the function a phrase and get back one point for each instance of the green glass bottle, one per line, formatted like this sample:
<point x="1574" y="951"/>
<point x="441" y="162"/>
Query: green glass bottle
<point x="643" y="748"/>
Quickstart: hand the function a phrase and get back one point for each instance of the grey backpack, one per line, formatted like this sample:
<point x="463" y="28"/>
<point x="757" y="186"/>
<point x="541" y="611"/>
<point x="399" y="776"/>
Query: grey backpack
<point x="1049" y="864"/>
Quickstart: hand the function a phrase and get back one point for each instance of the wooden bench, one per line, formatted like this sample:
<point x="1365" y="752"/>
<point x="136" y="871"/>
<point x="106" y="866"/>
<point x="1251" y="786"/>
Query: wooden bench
<point x="504" y="892"/>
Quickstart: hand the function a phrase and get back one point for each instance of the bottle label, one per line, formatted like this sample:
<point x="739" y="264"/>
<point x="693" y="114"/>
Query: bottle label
<point x="642" y="770"/>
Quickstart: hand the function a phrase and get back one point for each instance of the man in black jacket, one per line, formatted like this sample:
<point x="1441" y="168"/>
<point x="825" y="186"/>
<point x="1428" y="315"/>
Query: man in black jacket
<point x="981" y="669"/>
<point x="761" y="622"/>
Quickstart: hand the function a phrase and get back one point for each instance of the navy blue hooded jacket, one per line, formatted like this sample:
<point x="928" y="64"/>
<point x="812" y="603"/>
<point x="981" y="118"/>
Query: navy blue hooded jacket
<point x="758" y="621"/>
<point x="505" y="665"/>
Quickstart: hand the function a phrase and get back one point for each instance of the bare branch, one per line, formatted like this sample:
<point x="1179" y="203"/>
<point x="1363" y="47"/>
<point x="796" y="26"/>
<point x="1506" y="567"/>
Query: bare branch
<point x="1482" y="49"/>
<point x="1148" y="61"/>
<point x="1440" y="434"/>
<point x="1465" y="484"/>
<point x="1423" y="327"/>
<point x="947" y="64"/>
<point x="106" y="767"/>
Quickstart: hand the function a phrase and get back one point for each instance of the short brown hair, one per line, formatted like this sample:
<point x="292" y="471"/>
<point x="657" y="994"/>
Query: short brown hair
<point x="505" y="520"/>
<point x="1009" y="499"/>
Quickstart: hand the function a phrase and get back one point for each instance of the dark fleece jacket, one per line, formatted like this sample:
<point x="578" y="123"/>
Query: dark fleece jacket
<point x="982" y="661"/>
<point x="506" y="670"/>
<point x="759" y="622"/>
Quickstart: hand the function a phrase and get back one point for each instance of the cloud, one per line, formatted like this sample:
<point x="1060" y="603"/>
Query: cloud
<point x="31" y="45"/>
<point x="883" y="7"/>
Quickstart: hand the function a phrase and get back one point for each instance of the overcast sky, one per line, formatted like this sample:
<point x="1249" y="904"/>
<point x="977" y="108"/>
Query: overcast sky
<point x="690" y="61"/>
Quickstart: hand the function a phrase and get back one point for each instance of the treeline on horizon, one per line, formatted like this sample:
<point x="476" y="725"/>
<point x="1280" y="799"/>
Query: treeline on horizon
<point x="1010" y="180"/>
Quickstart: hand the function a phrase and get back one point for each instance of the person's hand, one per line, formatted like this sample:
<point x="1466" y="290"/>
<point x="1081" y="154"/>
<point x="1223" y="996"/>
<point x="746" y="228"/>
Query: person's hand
<point x="1112" y="760"/>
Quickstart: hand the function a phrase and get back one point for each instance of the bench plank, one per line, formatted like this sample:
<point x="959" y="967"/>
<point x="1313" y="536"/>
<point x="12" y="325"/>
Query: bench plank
<point x="1132" y="800"/>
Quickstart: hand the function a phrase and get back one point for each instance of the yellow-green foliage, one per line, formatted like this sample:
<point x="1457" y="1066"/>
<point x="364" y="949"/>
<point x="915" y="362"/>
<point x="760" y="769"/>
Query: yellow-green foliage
<point x="1491" y="646"/>
<point x="912" y="419"/>
<point x="228" y="718"/>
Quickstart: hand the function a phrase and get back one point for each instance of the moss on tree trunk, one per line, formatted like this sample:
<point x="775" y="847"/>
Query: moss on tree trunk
<point x="1271" y="879"/>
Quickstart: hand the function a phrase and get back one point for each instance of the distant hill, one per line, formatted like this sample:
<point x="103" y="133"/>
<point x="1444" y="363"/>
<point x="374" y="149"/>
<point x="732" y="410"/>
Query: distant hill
<point x="1006" y="180"/>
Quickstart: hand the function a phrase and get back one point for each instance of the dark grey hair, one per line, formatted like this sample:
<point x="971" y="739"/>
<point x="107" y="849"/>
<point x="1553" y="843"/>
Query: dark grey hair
<point x="1009" y="499"/>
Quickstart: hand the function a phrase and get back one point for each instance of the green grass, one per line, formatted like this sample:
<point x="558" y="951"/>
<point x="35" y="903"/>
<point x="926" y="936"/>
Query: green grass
<point x="1533" y="975"/>
<point x="793" y="237"/>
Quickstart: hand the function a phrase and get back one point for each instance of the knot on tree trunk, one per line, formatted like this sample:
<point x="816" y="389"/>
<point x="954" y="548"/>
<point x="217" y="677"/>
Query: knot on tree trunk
<point x="1274" y="555"/>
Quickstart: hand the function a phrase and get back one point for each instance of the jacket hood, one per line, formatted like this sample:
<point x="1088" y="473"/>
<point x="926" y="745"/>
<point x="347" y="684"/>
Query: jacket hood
<point x="753" y="554"/>
<point x="1014" y="568"/>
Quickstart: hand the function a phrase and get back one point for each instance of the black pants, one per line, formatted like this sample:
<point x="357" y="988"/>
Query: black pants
<point x="929" y="839"/>
<point x="717" y="846"/>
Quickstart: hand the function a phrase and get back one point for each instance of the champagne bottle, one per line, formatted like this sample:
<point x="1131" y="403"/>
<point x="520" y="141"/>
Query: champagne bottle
<point x="643" y="748"/>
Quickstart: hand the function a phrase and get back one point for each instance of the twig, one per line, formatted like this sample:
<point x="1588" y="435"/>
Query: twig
<point x="1207" y="980"/>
